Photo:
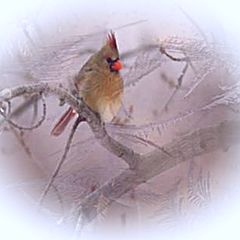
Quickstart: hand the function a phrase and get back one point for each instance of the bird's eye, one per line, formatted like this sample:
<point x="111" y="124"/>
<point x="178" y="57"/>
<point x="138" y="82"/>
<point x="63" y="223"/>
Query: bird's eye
<point x="109" y="60"/>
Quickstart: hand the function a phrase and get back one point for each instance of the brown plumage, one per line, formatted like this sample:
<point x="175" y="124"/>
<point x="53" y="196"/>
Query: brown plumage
<point x="99" y="84"/>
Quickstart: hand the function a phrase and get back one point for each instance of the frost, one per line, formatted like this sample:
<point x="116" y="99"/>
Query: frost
<point x="230" y="96"/>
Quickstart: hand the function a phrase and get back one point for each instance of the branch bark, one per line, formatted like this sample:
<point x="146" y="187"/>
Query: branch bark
<point x="197" y="143"/>
<point x="141" y="167"/>
<point x="95" y="123"/>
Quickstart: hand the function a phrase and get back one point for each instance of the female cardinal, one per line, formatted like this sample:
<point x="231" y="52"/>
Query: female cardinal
<point x="99" y="84"/>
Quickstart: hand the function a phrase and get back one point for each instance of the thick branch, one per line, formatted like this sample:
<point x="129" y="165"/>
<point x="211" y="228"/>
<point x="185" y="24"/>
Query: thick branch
<point x="97" y="127"/>
<point x="195" y="144"/>
<point x="200" y="142"/>
<point x="113" y="146"/>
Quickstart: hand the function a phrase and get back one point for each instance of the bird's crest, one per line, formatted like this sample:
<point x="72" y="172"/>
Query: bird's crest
<point x="111" y="40"/>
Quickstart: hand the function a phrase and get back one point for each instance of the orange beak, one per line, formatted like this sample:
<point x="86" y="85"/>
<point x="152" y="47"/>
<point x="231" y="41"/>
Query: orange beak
<point x="117" y="65"/>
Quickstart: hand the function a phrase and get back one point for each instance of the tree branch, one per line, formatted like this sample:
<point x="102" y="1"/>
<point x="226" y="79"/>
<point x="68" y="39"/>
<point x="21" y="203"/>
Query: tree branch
<point x="195" y="144"/>
<point x="95" y="123"/>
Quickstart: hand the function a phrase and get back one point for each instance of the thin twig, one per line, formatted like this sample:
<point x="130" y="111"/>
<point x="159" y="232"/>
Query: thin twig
<point x="179" y="79"/>
<point x="20" y="109"/>
<point x="34" y="126"/>
<point x="144" y="140"/>
<point x="60" y="163"/>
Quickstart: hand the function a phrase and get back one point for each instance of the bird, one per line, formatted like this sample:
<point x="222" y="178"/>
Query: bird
<point x="99" y="84"/>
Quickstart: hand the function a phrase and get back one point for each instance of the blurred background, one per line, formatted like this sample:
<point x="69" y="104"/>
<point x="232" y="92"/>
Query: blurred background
<point x="49" y="41"/>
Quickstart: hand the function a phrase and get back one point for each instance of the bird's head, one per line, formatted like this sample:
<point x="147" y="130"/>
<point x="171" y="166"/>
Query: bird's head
<point x="110" y="54"/>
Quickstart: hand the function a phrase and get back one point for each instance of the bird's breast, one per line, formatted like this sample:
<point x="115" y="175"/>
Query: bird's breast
<point x="103" y="94"/>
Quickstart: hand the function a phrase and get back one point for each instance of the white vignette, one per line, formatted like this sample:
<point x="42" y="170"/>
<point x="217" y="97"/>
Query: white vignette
<point x="17" y="223"/>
